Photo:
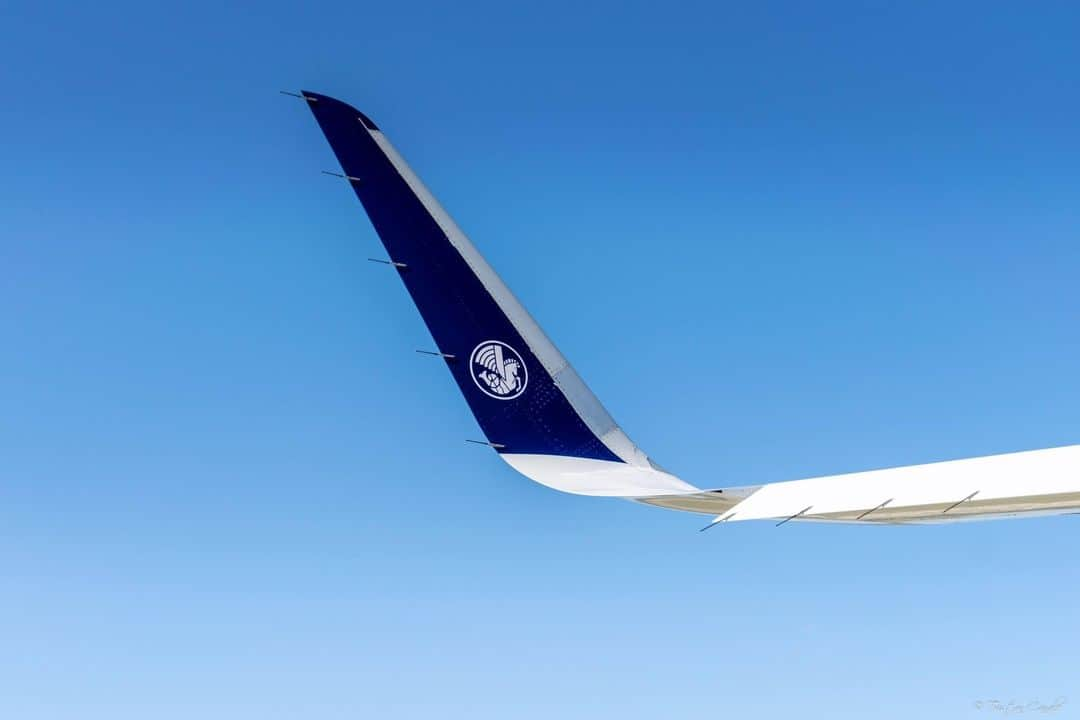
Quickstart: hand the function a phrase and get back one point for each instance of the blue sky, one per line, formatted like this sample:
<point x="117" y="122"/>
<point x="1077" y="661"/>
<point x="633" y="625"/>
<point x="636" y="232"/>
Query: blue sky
<point x="777" y="239"/>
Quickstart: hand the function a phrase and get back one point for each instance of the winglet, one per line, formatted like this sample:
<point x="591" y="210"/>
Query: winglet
<point x="530" y="403"/>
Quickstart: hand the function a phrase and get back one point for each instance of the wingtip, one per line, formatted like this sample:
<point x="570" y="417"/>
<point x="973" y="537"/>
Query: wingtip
<point x="314" y="97"/>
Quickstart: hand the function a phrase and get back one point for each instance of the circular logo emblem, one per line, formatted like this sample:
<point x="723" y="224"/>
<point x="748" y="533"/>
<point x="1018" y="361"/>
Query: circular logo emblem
<point x="498" y="370"/>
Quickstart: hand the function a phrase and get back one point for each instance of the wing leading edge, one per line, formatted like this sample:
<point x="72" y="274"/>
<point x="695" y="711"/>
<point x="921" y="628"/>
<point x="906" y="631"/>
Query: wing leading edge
<point x="541" y="418"/>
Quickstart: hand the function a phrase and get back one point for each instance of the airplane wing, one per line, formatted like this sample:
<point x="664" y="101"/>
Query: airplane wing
<point x="539" y="416"/>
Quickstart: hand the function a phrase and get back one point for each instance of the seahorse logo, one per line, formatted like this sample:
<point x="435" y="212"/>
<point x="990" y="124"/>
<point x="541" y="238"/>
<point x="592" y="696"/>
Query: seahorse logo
<point x="498" y="370"/>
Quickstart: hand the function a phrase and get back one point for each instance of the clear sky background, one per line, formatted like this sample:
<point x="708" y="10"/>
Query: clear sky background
<point x="778" y="239"/>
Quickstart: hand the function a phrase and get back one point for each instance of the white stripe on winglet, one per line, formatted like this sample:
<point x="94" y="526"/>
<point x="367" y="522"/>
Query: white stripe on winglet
<point x="584" y="476"/>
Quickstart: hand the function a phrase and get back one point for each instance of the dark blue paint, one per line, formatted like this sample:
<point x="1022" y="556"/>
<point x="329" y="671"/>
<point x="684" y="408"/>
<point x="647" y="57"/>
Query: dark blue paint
<point x="458" y="310"/>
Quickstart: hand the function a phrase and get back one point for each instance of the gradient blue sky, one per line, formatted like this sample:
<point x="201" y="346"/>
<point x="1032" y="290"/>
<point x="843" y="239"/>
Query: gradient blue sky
<point x="777" y="239"/>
